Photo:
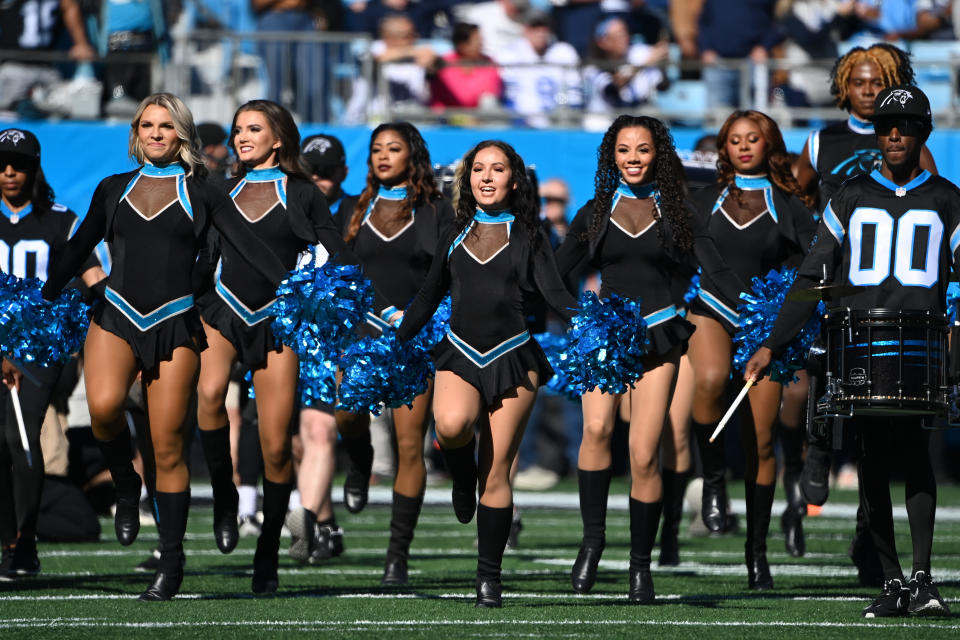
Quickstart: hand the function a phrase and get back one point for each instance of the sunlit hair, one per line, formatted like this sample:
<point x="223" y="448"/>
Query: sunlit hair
<point x="189" y="154"/>
<point x="421" y="187"/>
<point x="282" y="125"/>
<point x="668" y="173"/>
<point x="893" y="63"/>
<point x="522" y="201"/>
<point x="776" y="163"/>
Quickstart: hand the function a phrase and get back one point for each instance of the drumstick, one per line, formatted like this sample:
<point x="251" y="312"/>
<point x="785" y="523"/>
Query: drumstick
<point x="15" y="396"/>
<point x="733" y="407"/>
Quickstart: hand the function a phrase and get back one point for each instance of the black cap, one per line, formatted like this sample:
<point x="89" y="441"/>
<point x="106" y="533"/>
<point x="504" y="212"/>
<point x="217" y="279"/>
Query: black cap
<point x="902" y="101"/>
<point x="21" y="142"/>
<point x="323" y="151"/>
<point x="211" y="133"/>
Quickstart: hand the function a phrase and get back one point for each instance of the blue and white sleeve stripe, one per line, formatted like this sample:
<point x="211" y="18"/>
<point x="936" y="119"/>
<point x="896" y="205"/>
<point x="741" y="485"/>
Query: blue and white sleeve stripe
<point x="833" y="222"/>
<point x="955" y="241"/>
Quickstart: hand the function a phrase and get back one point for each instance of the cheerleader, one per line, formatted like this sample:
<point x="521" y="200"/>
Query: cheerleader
<point x="274" y="197"/>
<point x="155" y="218"/>
<point x="757" y="221"/>
<point x="33" y="229"/>
<point x="638" y="232"/>
<point x="394" y="228"/>
<point x="488" y="367"/>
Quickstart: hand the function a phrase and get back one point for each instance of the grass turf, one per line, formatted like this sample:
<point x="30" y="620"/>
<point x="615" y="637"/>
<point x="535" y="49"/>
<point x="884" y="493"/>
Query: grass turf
<point x="89" y="590"/>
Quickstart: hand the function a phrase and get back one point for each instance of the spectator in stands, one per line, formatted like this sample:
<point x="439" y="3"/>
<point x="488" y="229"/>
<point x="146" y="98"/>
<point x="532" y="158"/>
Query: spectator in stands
<point x="366" y="16"/>
<point x="500" y="22"/>
<point x="465" y="77"/>
<point x="734" y="29"/>
<point x="540" y="74"/>
<point x="624" y="76"/>
<point x="327" y="161"/>
<point x="216" y="154"/>
<point x="22" y="29"/>
<point x="126" y="27"/>
<point x="574" y="19"/>
<point x="555" y="200"/>
<point x="914" y="19"/>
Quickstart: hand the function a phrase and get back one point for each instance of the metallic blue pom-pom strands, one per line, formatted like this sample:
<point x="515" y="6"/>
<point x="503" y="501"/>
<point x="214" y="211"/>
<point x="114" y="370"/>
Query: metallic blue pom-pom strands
<point x="757" y="315"/>
<point x="383" y="371"/>
<point x="35" y="330"/>
<point x="554" y="347"/>
<point x="605" y="345"/>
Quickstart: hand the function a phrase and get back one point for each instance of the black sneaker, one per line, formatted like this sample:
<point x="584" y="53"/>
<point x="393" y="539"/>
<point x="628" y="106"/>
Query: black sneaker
<point x="892" y="601"/>
<point x="815" y="477"/>
<point x="151" y="564"/>
<point x="25" y="562"/>
<point x="6" y="560"/>
<point x="516" y="526"/>
<point x="925" y="600"/>
<point x="328" y="543"/>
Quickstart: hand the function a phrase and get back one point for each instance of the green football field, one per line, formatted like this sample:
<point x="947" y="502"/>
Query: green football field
<point x="89" y="590"/>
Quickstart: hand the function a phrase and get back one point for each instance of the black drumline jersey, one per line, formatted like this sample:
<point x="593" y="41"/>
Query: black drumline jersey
<point x="778" y="234"/>
<point x="490" y="272"/>
<point x="155" y="220"/>
<point x="840" y="152"/>
<point x="29" y="24"/>
<point x="641" y="264"/>
<point x="896" y="244"/>
<point x="31" y="238"/>
<point x="398" y="260"/>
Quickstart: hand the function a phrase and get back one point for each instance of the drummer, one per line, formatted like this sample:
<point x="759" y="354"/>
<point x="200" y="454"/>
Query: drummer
<point x="892" y="234"/>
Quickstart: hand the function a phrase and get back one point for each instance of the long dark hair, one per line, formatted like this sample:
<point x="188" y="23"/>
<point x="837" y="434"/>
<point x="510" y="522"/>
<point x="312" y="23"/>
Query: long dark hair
<point x="522" y="200"/>
<point x="421" y="187"/>
<point x="777" y="161"/>
<point x="668" y="172"/>
<point x="283" y="126"/>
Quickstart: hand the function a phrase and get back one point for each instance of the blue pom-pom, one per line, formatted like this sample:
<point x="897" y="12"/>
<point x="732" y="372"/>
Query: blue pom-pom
<point x="605" y="345"/>
<point x="436" y="328"/>
<point x="757" y="315"/>
<point x="319" y="308"/>
<point x="382" y="371"/>
<point x="318" y="382"/>
<point x="35" y="330"/>
<point x="554" y="346"/>
<point x="693" y="290"/>
<point x="953" y="299"/>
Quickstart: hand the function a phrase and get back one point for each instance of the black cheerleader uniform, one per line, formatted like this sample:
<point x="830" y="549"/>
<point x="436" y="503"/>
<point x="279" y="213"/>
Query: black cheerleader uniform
<point x="289" y="214"/>
<point x="156" y="220"/>
<point x="765" y="229"/>
<point x="490" y="269"/>
<point x="842" y="151"/>
<point x="634" y="261"/>
<point x="395" y="253"/>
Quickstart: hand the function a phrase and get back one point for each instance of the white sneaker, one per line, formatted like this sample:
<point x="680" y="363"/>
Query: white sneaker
<point x="536" y="479"/>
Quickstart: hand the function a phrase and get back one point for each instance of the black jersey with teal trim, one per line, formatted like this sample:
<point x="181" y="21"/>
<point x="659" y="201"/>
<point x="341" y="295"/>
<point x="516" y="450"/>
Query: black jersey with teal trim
<point x="842" y="151"/>
<point x="153" y="255"/>
<point x="643" y="265"/>
<point x="487" y="293"/>
<point x="895" y="244"/>
<point x="31" y="238"/>
<point x="777" y="235"/>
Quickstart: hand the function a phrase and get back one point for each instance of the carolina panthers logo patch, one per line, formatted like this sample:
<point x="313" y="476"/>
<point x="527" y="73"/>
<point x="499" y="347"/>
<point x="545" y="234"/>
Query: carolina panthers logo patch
<point x="320" y="144"/>
<point x="862" y="161"/>
<point x="897" y="96"/>
<point x="13" y="136"/>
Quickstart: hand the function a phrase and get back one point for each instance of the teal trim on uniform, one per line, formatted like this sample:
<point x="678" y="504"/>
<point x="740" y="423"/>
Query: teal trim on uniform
<point x="264" y="175"/>
<point x="833" y="223"/>
<point x="249" y="316"/>
<point x="661" y="316"/>
<point x="493" y="218"/>
<point x="889" y="184"/>
<point x="19" y="215"/>
<point x="155" y="171"/>
<point x="483" y="359"/>
<point x="859" y="126"/>
<point x="155" y="317"/>
<point x="751" y="183"/>
<point x="721" y="309"/>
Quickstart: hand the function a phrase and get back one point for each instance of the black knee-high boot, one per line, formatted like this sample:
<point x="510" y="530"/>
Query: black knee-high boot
<point x="118" y="455"/>
<point x="594" y="490"/>
<point x="674" y="487"/>
<point x="759" y="503"/>
<point x="216" y="449"/>
<point x="403" y="520"/>
<point x="493" y="529"/>
<point x="275" y="499"/>
<point x="172" y="510"/>
<point x="714" y="505"/>
<point x="791" y="522"/>
<point x="644" y="520"/>
<point x="356" y="486"/>
<point x="462" y="466"/>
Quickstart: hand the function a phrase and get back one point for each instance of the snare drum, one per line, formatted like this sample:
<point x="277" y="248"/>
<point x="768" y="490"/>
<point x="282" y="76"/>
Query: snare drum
<point x="884" y="362"/>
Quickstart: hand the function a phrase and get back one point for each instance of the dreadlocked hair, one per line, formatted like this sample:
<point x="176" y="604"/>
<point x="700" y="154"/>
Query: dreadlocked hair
<point x="777" y="160"/>
<point x="893" y="63"/>
<point x="668" y="173"/>
<point x="421" y="186"/>
<point x="522" y="201"/>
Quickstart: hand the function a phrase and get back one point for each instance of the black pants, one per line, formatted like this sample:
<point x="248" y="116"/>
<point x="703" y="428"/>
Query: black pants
<point x="65" y="513"/>
<point x="900" y="445"/>
<point x="21" y="484"/>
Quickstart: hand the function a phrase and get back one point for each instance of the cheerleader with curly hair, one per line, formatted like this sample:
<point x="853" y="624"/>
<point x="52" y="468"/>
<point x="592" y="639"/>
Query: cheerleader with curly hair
<point x="639" y="233"/>
<point x="488" y="367"/>
<point x="758" y="223"/>
<point x="395" y="226"/>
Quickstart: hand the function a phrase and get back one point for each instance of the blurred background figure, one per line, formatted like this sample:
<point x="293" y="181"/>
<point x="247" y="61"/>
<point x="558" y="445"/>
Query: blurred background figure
<point x="216" y="154"/>
<point x="465" y="77"/>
